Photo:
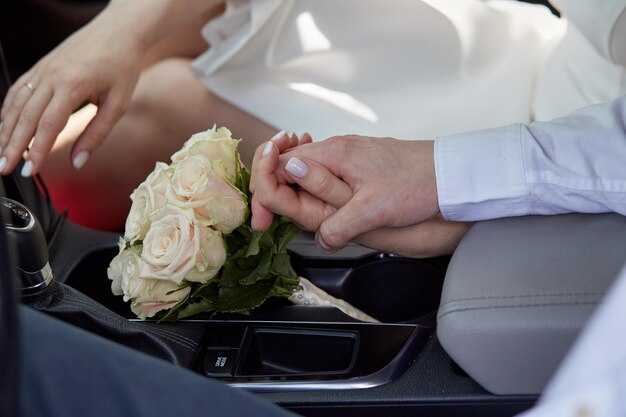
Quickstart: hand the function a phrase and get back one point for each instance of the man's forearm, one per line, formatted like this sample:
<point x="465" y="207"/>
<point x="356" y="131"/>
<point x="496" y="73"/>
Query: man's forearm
<point x="572" y="164"/>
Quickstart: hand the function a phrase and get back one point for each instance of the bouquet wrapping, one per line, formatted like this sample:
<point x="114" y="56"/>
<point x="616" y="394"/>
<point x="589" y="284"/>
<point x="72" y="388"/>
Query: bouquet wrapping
<point x="188" y="246"/>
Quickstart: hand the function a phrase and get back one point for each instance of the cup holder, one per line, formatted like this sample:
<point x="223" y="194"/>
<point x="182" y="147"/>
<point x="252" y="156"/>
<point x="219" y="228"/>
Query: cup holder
<point x="389" y="288"/>
<point x="394" y="290"/>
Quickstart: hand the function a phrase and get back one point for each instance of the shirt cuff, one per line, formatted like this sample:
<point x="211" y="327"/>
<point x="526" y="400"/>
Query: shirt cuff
<point x="480" y="175"/>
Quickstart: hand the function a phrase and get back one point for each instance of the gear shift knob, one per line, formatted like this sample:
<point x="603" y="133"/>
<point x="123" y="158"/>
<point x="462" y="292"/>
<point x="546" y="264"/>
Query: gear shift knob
<point x="25" y="232"/>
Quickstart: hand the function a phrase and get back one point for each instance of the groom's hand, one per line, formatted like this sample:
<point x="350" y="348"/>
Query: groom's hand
<point x="321" y="192"/>
<point x="392" y="184"/>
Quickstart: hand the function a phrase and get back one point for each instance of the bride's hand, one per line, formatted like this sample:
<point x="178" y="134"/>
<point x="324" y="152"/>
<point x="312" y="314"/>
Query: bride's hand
<point x="97" y="64"/>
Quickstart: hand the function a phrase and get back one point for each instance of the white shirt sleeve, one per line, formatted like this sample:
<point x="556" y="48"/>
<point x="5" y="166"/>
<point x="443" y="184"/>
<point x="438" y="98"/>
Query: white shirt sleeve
<point x="572" y="164"/>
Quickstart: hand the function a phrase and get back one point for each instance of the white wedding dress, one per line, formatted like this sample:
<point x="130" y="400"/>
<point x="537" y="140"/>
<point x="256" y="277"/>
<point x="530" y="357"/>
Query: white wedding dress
<point x="410" y="69"/>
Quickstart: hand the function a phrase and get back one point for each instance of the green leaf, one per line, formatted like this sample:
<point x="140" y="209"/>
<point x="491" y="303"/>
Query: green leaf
<point x="253" y="246"/>
<point x="235" y="243"/>
<point x="233" y="300"/>
<point x="130" y="244"/>
<point x="242" y="181"/>
<point x="281" y="290"/>
<point x="288" y="231"/>
<point x="172" y="313"/>
<point x="208" y="290"/>
<point x="281" y="266"/>
<point x="232" y="274"/>
<point x="260" y="272"/>
<point x="245" y="231"/>
<point x="267" y="239"/>
<point x="196" y="307"/>
<point x="248" y="264"/>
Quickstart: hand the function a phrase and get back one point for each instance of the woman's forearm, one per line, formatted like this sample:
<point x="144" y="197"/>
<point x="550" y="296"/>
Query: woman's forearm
<point x="145" y="22"/>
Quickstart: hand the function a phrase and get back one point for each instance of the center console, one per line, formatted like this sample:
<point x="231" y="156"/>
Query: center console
<point x="283" y="347"/>
<point x="312" y="360"/>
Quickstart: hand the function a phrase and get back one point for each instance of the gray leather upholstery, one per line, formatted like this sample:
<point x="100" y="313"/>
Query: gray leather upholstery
<point x="519" y="290"/>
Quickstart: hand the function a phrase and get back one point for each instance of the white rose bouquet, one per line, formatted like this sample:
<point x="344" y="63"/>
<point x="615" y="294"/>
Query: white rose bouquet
<point x="188" y="246"/>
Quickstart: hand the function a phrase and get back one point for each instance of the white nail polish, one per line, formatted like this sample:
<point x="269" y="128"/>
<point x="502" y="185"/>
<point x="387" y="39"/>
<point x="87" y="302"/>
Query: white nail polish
<point x="27" y="169"/>
<point x="297" y="168"/>
<point x="80" y="159"/>
<point x="321" y="244"/>
<point x="278" y="135"/>
<point x="3" y="163"/>
<point x="268" y="148"/>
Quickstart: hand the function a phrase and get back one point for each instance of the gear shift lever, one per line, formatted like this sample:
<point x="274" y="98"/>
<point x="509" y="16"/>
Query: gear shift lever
<point x="25" y="231"/>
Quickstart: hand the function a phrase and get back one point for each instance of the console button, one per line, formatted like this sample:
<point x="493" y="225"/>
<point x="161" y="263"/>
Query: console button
<point x="220" y="362"/>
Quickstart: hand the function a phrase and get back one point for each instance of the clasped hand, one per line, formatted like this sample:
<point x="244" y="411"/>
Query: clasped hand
<point x="378" y="192"/>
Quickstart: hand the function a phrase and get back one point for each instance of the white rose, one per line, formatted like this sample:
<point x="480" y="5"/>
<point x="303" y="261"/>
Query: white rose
<point x="196" y="185"/>
<point x="147" y="198"/>
<point x="124" y="272"/>
<point x="114" y="271"/>
<point x="171" y="246"/>
<point x="157" y="295"/>
<point x="217" y="145"/>
<point x="132" y="285"/>
<point x="227" y="213"/>
<point x="211" y="257"/>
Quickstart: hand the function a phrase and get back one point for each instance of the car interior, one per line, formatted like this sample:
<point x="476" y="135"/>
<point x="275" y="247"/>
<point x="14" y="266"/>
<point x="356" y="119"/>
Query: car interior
<point x="476" y="333"/>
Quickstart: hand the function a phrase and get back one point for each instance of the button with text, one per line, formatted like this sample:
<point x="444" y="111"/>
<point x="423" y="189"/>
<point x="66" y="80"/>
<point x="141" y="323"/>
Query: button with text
<point x="220" y="362"/>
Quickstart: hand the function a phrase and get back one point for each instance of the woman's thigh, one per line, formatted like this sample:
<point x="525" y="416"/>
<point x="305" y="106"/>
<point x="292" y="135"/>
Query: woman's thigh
<point x="168" y="105"/>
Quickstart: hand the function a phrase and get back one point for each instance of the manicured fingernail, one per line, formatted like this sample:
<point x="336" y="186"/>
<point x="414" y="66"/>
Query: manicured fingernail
<point x="80" y="159"/>
<point x="1" y="124"/>
<point x="27" y="169"/>
<point x="297" y="168"/>
<point x="3" y="163"/>
<point x="278" y="135"/>
<point x="268" y="148"/>
<point x="322" y="245"/>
